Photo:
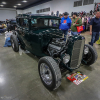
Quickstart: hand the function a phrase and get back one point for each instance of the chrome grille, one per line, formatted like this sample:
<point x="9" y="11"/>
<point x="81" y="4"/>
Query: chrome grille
<point x="77" y="53"/>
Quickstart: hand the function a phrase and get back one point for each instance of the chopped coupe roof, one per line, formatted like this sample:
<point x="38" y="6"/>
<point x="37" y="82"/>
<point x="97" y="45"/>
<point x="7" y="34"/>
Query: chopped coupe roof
<point x="36" y="16"/>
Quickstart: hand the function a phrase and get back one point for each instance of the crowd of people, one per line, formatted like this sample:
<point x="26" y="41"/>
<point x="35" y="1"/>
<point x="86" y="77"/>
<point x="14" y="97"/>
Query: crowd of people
<point x="74" y="24"/>
<point x="82" y="13"/>
<point x="86" y="18"/>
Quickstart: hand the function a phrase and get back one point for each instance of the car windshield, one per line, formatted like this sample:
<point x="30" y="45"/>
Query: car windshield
<point x="44" y="23"/>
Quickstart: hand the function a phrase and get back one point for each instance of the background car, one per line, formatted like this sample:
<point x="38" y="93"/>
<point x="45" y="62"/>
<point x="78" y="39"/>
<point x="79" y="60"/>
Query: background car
<point x="11" y="25"/>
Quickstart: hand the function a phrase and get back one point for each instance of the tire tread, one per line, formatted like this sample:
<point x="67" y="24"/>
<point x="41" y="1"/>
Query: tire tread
<point x="56" y="70"/>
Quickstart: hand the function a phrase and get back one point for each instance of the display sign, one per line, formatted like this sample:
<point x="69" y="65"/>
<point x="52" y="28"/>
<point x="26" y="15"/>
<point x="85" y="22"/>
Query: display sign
<point x="77" y="78"/>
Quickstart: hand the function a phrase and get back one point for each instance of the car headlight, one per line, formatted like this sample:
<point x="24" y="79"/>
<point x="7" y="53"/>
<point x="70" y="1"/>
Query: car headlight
<point x="86" y="50"/>
<point x="66" y="59"/>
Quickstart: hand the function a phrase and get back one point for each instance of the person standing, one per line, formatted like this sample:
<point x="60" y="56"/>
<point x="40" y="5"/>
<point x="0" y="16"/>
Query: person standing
<point x="7" y="22"/>
<point x="72" y="14"/>
<point x="61" y="16"/>
<point x="85" y="23"/>
<point x="91" y="12"/>
<point x="95" y="28"/>
<point x="65" y="24"/>
<point x="75" y="22"/>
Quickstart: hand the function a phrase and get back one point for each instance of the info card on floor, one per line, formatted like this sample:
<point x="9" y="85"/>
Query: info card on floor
<point x="77" y="78"/>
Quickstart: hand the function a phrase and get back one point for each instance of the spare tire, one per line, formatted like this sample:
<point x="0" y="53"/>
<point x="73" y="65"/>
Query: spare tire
<point x="14" y="43"/>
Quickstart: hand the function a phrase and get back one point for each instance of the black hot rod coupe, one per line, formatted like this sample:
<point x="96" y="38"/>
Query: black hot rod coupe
<point x="40" y="35"/>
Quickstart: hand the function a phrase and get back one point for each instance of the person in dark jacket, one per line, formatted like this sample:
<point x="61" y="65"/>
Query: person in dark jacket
<point x="7" y="22"/>
<point x="65" y="24"/>
<point x="95" y="28"/>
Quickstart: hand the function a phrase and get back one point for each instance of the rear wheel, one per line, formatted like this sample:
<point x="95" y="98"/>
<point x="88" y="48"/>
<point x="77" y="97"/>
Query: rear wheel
<point x="14" y="43"/>
<point x="49" y="73"/>
<point x="91" y="56"/>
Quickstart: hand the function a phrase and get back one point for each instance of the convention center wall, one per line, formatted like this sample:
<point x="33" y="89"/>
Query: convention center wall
<point x="61" y="6"/>
<point x="7" y="13"/>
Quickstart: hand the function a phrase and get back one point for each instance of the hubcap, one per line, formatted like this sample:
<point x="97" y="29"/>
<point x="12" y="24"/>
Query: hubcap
<point x="45" y="73"/>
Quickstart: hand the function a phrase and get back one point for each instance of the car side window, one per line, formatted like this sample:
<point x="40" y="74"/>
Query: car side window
<point x="24" y="22"/>
<point x="54" y="23"/>
<point x="46" y="22"/>
<point x="33" y="23"/>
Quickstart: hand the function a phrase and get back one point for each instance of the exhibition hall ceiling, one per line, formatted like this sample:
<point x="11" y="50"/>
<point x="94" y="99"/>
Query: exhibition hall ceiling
<point x="20" y="4"/>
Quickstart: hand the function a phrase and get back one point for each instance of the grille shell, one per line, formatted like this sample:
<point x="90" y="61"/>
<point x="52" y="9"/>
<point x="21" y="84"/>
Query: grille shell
<point x="77" y="53"/>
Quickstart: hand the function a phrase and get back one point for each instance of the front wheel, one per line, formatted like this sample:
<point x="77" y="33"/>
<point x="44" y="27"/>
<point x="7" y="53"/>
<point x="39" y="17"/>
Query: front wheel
<point x="91" y="55"/>
<point x="49" y="73"/>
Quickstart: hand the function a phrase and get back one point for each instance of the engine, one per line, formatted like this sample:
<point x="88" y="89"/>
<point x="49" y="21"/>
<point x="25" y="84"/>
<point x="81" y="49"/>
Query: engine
<point x="56" y="46"/>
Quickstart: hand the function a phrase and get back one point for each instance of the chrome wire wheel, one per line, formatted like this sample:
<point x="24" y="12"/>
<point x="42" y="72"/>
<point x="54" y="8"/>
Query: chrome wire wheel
<point x="46" y="74"/>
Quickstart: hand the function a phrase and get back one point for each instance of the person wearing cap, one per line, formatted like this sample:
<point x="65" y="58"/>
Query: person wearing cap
<point x="65" y="24"/>
<point x="75" y="22"/>
<point x="95" y="28"/>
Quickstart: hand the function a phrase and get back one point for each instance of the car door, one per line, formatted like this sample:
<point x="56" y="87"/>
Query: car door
<point x="35" y="37"/>
<point x="25" y="33"/>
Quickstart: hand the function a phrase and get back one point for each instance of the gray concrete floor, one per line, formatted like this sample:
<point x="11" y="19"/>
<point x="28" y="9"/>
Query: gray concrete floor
<point x="19" y="79"/>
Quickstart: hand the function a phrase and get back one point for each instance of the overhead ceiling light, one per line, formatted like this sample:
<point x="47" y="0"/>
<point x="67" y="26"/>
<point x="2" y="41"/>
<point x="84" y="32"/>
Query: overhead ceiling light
<point x="19" y="4"/>
<point x="4" y="3"/>
<point x="1" y="5"/>
<point x="1" y="80"/>
<point x="24" y="1"/>
<point x="15" y="6"/>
